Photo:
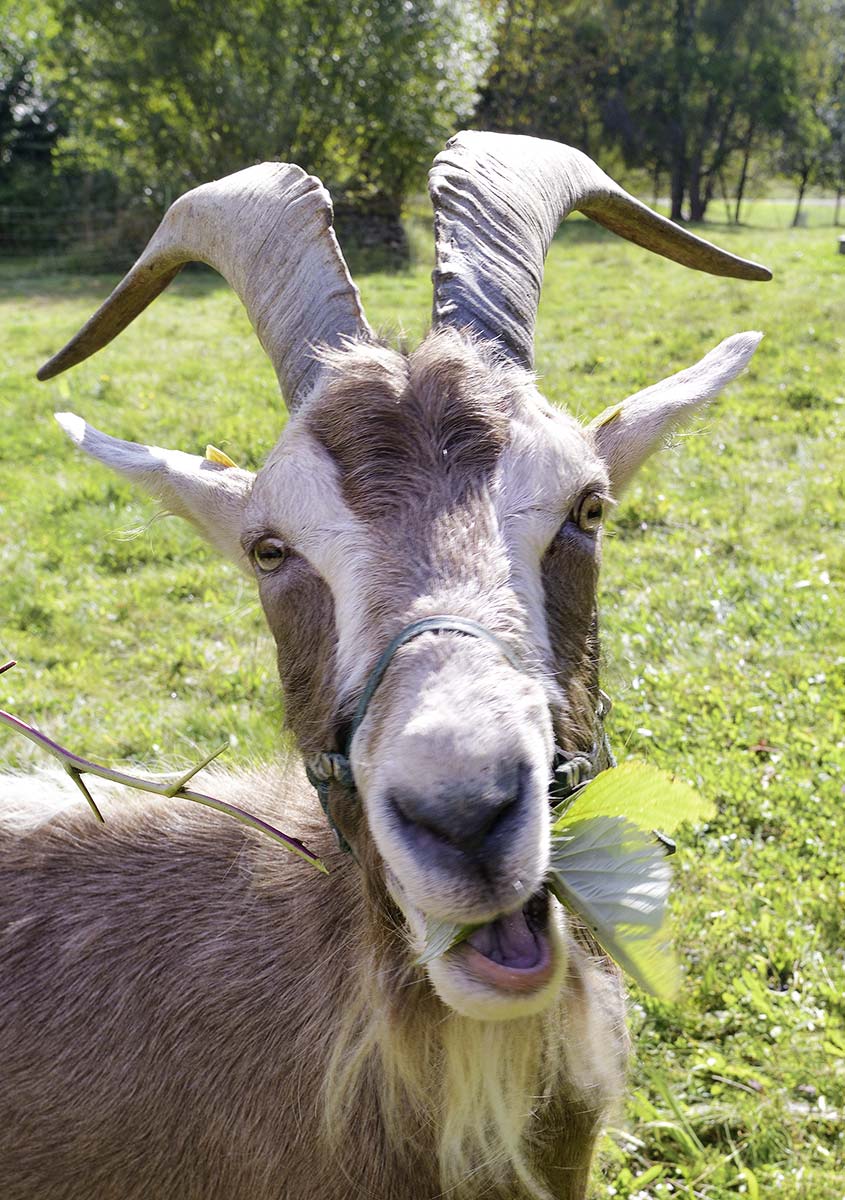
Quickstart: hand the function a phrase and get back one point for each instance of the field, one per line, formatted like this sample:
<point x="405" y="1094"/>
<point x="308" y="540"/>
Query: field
<point x="723" y="607"/>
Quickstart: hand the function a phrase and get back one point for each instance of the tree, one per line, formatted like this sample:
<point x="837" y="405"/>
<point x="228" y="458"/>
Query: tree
<point x="681" y="88"/>
<point x="833" y="116"/>
<point x="812" y="147"/>
<point x="172" y="92"/>
<point x="545" y="76"/>
<point x="694" y="82"/>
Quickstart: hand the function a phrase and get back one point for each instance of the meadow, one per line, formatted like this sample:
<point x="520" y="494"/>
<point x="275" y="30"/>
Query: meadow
<point x="722" y="605"/>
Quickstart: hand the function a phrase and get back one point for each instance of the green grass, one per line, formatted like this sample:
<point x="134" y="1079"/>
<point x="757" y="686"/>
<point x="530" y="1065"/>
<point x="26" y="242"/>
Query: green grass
<point x="724" y="635"/>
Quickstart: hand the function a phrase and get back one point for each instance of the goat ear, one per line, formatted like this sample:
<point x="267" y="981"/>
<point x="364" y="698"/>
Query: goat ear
<point x="204" y="491"/>
<point x="626" y="434"/>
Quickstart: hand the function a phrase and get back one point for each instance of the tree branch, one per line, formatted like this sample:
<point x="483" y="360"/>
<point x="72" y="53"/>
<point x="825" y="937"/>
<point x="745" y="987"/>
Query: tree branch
<point x="76" y="767"/>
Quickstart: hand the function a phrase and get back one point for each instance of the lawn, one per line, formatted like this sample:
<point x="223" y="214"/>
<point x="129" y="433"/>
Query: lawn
<point x="722" y="608"/>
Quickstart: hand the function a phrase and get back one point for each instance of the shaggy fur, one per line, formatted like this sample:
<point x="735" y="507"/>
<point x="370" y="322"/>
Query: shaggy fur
<point x="179" y="1019"/>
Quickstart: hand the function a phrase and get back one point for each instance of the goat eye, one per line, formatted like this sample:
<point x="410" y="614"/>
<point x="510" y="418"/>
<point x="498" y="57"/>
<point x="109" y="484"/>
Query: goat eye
<point x="269" y="553"/>
<point x="589" y="512"/>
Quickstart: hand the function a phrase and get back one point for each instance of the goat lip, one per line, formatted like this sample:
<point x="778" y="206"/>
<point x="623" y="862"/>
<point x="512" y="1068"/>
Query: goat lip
<point x="513" y="952"/>
<point x="504" y="976"/>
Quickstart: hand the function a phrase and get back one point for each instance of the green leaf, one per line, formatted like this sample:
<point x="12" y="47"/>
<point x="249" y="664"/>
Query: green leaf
<point x="645" y="796"/>
<point x="615" y="877"/>
<point x="441" y="936"/>
<point x="608" y="868"/>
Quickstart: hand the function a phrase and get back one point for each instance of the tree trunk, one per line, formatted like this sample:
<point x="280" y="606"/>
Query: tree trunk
<point x="697" y="207"/>
<point x="838" y="206"/>
<point x="655" y="186"/>
<point x="697" y="195"/>
<point x="683" y="35"/>
<point x="724" y="190"/>
<point x="678" y="191"/>
<point x="743" y="175"/>
<point x="805" y="175"/>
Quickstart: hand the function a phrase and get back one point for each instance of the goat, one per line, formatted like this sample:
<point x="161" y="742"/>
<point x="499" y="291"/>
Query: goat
<point x="185" y="1011"/>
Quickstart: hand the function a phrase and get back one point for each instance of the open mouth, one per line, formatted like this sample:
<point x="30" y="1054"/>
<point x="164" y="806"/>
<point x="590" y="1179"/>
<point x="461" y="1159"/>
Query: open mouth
<point x="512" y="953"/>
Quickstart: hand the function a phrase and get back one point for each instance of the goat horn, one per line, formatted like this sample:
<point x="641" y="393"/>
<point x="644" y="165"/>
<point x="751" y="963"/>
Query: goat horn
<point x="498" y="200"/>
<point x="268" y="231"/>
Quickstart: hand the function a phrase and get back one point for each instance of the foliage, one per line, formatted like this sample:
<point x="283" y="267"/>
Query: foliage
<point x="120" y="106"/>
<point x="724" y="628"/>
<point x="30" y="126"/>
<point x="549" y="69"/>
<point x="175" y="92"/>
<point x="688" y="90"/>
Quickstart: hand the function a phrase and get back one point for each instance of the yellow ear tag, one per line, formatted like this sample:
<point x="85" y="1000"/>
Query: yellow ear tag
<point x="217" y="456"/>
<point x="609" y="414"/>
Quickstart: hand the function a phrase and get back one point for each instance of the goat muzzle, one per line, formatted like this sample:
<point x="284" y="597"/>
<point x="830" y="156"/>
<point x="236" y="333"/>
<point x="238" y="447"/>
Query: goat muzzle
<point x="569" y="770"/>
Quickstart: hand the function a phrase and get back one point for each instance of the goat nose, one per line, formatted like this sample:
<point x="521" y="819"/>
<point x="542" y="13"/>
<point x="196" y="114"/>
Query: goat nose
<point x="476" y="821"/>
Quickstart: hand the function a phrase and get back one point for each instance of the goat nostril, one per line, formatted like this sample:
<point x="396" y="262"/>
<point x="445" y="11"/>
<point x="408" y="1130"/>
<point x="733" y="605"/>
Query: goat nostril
<point x="495" y="823"/>
<point x="411" y="826"/>
<point x="462" y="822"/>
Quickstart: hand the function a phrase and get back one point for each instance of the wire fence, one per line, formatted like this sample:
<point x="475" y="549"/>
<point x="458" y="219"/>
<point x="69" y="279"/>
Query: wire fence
<point x="89" y="237"/>
<point x="96" y="237"/>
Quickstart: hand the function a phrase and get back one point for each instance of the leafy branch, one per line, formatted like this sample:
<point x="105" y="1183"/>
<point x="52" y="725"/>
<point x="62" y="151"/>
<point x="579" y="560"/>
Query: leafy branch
<point x="176" y="789"/>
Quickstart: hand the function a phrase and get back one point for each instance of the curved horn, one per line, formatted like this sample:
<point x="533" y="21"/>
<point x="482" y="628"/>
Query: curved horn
<point x="268" y="231"/>
<point x="498" y="200"/>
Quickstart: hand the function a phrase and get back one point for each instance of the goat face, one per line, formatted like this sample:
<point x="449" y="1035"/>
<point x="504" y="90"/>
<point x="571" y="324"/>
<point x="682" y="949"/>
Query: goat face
<point x="437" y="483"/>
<point x="441" y="483"/>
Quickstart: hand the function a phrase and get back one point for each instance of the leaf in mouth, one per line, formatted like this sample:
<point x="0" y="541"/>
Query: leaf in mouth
<point x="615" y="877"/>
<point x="608" y="866"/>
<point x="441" y="936"/>
<point x="645" y="796"/>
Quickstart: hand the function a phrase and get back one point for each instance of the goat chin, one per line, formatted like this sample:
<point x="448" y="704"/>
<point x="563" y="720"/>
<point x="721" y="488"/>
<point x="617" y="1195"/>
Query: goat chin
<point x="489" y="1077"/>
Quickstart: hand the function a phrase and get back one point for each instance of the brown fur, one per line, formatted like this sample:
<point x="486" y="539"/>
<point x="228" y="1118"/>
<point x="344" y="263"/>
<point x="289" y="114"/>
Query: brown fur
<point x="172" y="998"/>
<point x="570" y="578"/>
<point x="404" y="432"/>
<point x="300" y="613"/>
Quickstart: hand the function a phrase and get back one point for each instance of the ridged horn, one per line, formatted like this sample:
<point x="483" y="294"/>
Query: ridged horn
<point x="268" y="231"/>
<point x="498" y="200"/>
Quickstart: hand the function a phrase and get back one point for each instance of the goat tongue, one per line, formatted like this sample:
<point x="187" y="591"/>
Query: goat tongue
<point x="508" y="941"/>
<point x="509" y="954"/>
